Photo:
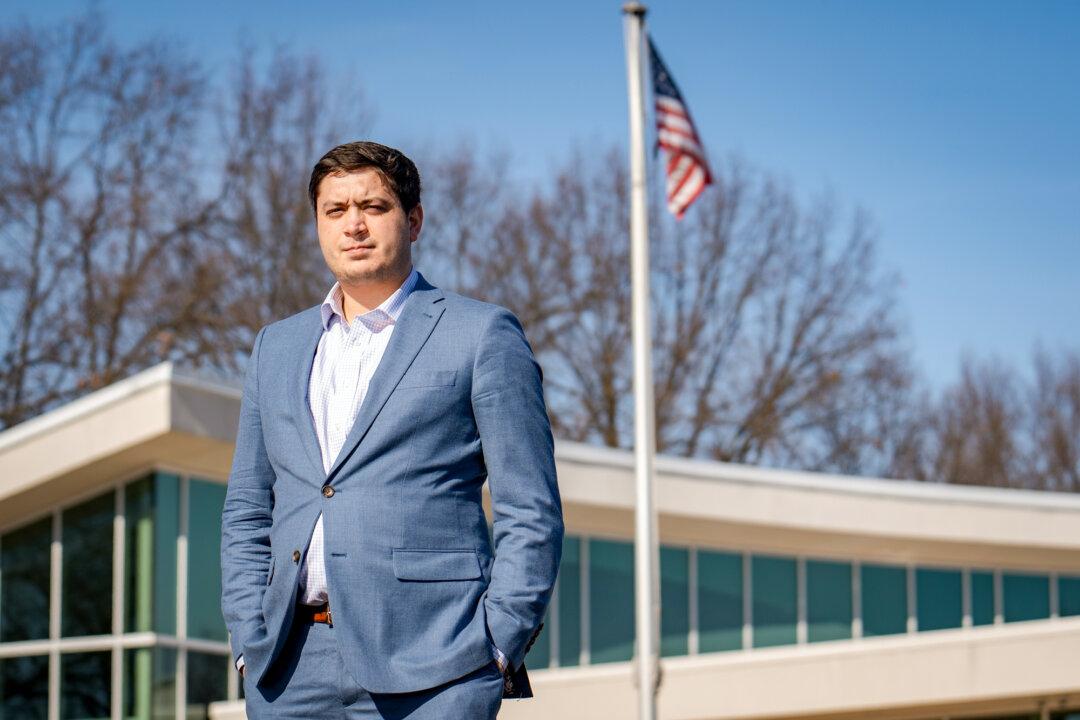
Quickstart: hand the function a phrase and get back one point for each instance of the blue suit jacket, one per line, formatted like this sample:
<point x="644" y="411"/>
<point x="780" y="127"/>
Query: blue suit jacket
<point x="415" y="589"/>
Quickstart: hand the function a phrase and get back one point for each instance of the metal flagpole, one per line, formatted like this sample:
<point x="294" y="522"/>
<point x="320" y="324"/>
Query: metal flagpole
<point x="646" y="554"/>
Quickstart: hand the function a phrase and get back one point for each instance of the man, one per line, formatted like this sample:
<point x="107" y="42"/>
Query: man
<point x="358" y="578"/>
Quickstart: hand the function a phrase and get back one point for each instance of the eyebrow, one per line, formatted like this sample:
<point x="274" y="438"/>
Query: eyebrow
<point x="331" y="203"/>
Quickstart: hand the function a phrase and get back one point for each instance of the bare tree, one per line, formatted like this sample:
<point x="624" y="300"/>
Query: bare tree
<point x="774" y="334"/>
<point x="995" y="427"/>
<point x="977" y="426"/>
<point x="277" y="124"/>
<point x="1055" y="422"/>
<point x="131" y="234"/>
<point x="105" y="264"/>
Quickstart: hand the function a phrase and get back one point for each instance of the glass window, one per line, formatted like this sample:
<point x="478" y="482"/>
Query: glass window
<point x="84" y="685"/>
<point x="204" y="560"/>
<point x="150" y="683"/>
<point x="207" y="682"/>
<point x="86" y="606"/>
<point x="982" y="597"/>
<point x="152" y="511"/>
<point x="720" y="600"/>
<point x="24" y="687"/>
<point x="884" y="599"/>
<point x="1068" y="595"/>
<point x="939" y="598"/>
<point x="674" y="601"/>
<point x="611" y="601"/>
<point x="24" y="591"/>
<point x="828" y="600"/>
<point x="540" y="653"/>
<point x="1026" y="596"/>
<point x="570" y="602"/>
<point x="774" y="596"/>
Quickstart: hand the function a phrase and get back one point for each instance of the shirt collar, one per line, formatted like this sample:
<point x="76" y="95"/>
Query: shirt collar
<point x="387" y="313"/>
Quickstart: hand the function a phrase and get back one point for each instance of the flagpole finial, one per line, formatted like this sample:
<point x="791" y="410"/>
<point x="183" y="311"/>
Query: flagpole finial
<point x="635" y="8"/>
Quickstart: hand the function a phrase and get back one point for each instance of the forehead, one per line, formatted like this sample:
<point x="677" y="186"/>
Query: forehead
<point x="365" y="182"/>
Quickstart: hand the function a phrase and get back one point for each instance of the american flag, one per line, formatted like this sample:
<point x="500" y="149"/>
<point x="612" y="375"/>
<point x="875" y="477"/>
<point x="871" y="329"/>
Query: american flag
<point x="687" y="171"/>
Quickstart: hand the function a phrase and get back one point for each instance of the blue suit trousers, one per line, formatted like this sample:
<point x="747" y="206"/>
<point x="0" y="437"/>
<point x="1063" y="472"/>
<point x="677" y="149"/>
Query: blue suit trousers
<point x="310" y="679"/>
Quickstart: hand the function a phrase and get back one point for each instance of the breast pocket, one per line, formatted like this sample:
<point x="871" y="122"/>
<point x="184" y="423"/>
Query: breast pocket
<point x="428" y="379"/>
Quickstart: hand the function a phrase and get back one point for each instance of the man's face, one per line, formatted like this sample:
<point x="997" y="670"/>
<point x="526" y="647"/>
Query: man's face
<point x="364" y="233"/>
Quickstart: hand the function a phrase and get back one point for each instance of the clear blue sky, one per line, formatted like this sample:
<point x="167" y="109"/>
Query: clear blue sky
<point x="957" y="124"/>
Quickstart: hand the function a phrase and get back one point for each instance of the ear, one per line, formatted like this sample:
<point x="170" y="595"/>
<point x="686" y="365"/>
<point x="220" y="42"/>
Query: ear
<point x="416" y="221"/>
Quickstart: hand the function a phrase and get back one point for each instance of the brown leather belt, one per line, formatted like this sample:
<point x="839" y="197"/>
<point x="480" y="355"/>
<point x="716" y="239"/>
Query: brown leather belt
<point x="314" y="613"/>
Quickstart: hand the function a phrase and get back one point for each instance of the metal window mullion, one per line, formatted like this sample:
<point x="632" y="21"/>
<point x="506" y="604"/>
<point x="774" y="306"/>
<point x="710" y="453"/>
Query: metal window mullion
<point x="801" y="632"/>
<point x="585" y="610"/>
<point x="119" y="528"/>
<point x="182" y="597"/>
<point x="965" y="599"/>
<point x="747" y="602"/>
<point x="1054" y="607"/>
<point x="856" y="600"/>
<point x="999" y="598"/>
<point x="693" y="641"/>
<point x="56" y="566"/>
<point x="912" y="600"/>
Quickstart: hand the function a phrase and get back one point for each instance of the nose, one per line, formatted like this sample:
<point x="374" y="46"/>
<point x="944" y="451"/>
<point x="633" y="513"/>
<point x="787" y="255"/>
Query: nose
<point x="354" y="222"/>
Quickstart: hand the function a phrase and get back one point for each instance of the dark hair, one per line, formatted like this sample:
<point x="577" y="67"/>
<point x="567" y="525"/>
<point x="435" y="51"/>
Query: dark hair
<point x="397" y="170"/>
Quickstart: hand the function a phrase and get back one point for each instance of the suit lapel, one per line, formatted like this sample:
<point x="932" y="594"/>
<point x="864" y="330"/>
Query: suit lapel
<point x="421" y="312"/>
<point x="300" y="380"/>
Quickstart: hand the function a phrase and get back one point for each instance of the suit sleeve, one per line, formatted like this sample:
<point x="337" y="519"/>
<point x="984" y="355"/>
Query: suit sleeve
<point x="515" y="437"/>
<point x="246" y="518"/>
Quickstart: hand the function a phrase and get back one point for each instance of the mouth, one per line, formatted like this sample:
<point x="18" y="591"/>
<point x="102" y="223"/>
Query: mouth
<point x="358" y="248"/>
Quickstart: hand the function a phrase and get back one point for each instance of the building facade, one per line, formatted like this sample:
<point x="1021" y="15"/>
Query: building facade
<point x="784" y="594"/>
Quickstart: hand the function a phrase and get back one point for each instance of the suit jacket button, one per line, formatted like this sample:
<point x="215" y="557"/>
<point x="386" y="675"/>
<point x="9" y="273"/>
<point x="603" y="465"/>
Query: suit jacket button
<point x="328" y="491"/>
<point x="296" y="556"/>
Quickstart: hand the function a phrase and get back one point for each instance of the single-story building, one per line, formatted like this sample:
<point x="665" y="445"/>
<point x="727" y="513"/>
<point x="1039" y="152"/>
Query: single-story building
<point x="784" y="594"/>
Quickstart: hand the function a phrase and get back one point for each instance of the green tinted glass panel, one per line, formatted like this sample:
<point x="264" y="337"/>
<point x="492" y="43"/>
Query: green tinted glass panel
<point x="939" y="599"/>
<point x="24" y="687"/>
<point x="1068" y="595"/>
<point x="611" y="601"/>
<point x="24" y="582"/>
<point x="207" y="682"/>
<point x="774" y="597"/>
<point x="982" y="598"/>
<point x="1026" y="596"/>
<point x="84" y="685"/>
<point x="884" y="599"/>
<point x="674" y="601"/>
<point x="150" y="683"/>
<point x="720" y="600"/>
<point x="539" y="655"/>
<point x="204" y="560"/>
<point x="570" y="602"/>
<point x="152" y="512"/>
<point x="86" y="608"/>
<point x="828" y="600"/>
